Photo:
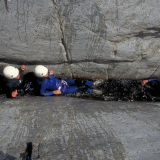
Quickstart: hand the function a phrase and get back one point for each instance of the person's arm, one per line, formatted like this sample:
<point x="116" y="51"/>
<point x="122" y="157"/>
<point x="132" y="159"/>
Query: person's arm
<point x="51" y="72"/>
<point x="48" y="93"/>
<point x="14" y="93"/>
<point x="144" y="82"/>
<point x="150" y="80"/>
<point x="43" y="91"/>
<point x="57" y="92"/>
<point x="11" y="91"/>
<point x="22" y="67"/>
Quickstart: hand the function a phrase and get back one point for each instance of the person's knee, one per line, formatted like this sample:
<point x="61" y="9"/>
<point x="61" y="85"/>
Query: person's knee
<point x="82" y="88"/>
<point x="80" y="82"/>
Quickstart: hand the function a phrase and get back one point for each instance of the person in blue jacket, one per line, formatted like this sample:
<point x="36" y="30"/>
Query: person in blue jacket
<point x="12" y="80"/>
<point x="144" y="82"/>
<point x="151" y="88"/>
<point x="49" y="85"/>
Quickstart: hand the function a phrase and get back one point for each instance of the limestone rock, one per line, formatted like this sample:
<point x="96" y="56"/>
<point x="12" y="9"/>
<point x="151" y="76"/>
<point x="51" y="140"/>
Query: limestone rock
<point x="72" y="128"/>
<point x="92" y="39"/>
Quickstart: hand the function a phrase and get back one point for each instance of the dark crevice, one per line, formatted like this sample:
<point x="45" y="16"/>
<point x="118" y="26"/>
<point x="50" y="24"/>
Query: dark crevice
<point x="153" y="32"/>
<point x="28" y="153"/>
<point x="115" y="52"/>
<point x="62" y="38"/>
<point x="6" y="5"/>
<point x="54" y="3"/>
<point x="65" y="48"/>
<point x="19" y="62"/>
<point x="124" y="90"/>
<point x="60" y="26"/>
<point x="154" y="72"/>
<point x="154" y="29"/>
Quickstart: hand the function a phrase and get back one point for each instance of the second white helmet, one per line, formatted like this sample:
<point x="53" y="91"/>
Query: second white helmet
<point x="40" y="71"/>
<point x="10" y="72"/>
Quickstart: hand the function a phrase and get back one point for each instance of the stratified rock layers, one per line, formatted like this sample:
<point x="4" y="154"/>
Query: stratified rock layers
<point x="115" y="39"/>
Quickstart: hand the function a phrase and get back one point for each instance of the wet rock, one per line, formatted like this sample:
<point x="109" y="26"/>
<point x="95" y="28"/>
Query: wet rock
<point x="108" y="90"/>
<point x="123" y="90"/>
<point x="82" y="39"/>
<point x="71" y="128"/>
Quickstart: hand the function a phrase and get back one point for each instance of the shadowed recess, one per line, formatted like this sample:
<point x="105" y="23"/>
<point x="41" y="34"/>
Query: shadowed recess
<point x="153" y="32"/>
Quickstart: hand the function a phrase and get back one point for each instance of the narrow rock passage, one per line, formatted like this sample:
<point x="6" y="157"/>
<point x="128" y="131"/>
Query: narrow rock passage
<point x="112" y="90"/>
<point x="124" y="90"/>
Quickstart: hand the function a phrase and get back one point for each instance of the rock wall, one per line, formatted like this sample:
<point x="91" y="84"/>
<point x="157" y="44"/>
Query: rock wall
<point x="69" y="128"/>
<point x="109" y="39"/>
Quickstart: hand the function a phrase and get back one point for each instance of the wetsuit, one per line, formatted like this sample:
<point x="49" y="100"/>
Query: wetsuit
<point x="152" y="88"/>
<point x="51" y="83"/>
<point x="9" y="85"/>
<point x="150" y="80"/>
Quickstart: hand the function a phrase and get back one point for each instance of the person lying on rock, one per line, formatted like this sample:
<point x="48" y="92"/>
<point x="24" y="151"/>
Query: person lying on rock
<point x="151" y="89"/>
<point x="49" y="85"/>
<point x="144" y="82"/>
<point x="12" y="78"/>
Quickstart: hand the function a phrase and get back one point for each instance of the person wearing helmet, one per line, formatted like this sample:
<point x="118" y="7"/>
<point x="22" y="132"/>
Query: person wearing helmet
<point x="13" y="79"/>
<point x="49" y="85"/>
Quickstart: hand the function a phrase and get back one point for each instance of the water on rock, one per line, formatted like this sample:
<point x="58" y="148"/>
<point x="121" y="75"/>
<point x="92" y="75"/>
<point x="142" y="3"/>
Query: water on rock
<point x="112" y="90"/>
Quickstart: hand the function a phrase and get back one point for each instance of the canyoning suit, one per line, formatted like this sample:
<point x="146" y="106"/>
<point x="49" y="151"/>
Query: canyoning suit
<point x="9" y="85"/>
<point x="150" y="80"/>
<point x="155" y="83"/>
<point x="152" y="89"/>
<point x="66" y="86"/>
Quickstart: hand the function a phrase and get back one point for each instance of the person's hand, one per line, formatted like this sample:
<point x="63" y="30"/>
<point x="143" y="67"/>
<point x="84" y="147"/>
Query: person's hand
<point x="51" y="72"/>
<point x="57" y="92"/>
<point x="14" y="93"/>
<point x="144" y="82"/>
<point x="23" y="67"/>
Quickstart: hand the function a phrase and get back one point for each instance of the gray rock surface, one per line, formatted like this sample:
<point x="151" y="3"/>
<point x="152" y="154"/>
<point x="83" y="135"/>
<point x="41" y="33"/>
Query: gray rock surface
<point x="71" y="128"/>
<point x="88" y="39"/>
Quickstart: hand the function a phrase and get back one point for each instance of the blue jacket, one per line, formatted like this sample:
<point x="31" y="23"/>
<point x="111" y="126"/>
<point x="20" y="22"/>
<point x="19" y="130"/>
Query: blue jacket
<point x="149" y="80"/>
<point x="50" y="83"/>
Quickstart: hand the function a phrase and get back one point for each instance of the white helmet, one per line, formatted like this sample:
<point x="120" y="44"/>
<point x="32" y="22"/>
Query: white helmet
<point x="10" y="72"/>
<point x="40" y="71"/>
